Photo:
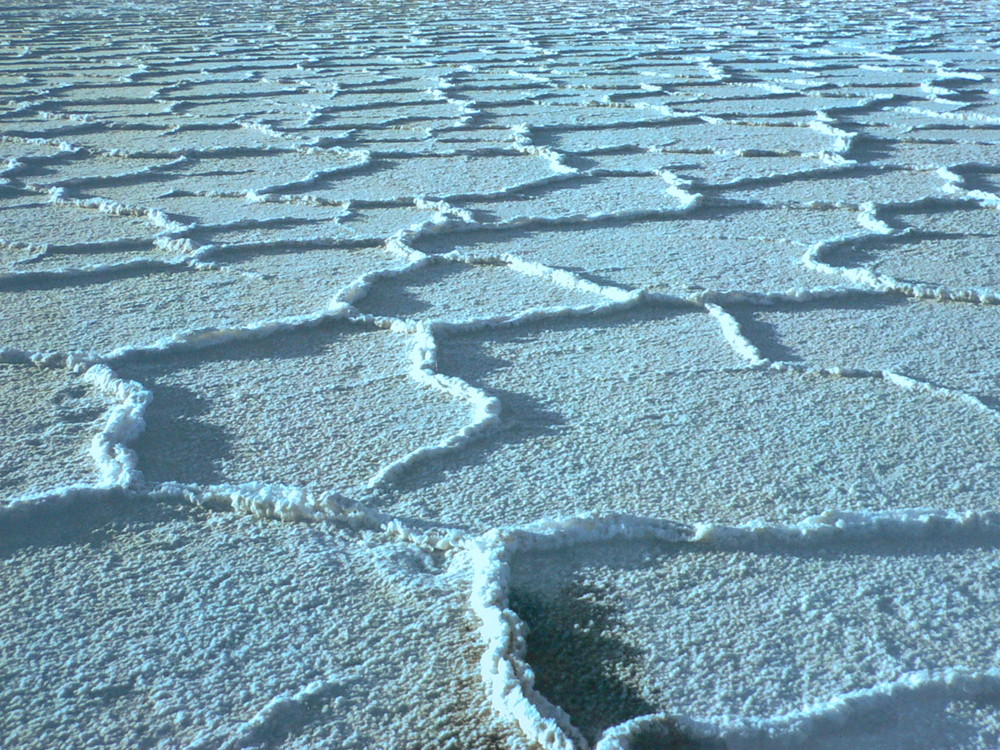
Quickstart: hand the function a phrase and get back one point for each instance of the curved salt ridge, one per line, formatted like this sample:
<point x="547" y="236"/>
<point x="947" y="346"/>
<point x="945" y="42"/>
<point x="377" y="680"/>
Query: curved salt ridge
<point x="716" y="72"/>
<point x="679" y="188"/>
<point x="485" y="408"/>
<point x="906" y="382"/>
<point x="922" y="386"/>
<point x="843" y="139"/>
<point x="733" y="333"/>
<point x="156" y="217"/>
<point x="166" y="241"/>
<point x="402" y="241"/>
<point x="959" y="115"/>
<point x="467" y="108"/>
<point x="805" y="294"/>
<point x="18" y="164"/>
<point x="555" y="178"/>
<point x="12" y="356"/>
<point x="558" y="82"/>
<point x="446" y="209"/>
<point x="837" y="169"/>
<point x="744" y="347"/>
<point x="509" y="678"/>
<point x="271" y="717"/>
<point x="359" y="288"/>
<point x="869" y="219"/>
<point x="201" y="338"/>
<point x="116" y="462"/>
<point x="813" y="722"/>
<point x="559" y="276"/>
<point x="272" y="501"/>
<point x="317" y="177"/>
<point x="91" y="180"/>
<point x="293" y="504"/>
<point x="523" y="143"/>
<point x="262" y="127"/>
<point x="111" y="464"/>
<point x="956" y="183"/>
<point x="688" y="200"/>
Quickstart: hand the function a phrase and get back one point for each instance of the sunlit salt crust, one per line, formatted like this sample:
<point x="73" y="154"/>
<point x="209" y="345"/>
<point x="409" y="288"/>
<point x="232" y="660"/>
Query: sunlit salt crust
<point x="624" y="593"/>
<point x="163" y="137"/>
<point x="884" y="333"/>
<point x="94" y="312"/>
<point x="447" y="288"/>
<point x="434" y="176"/>
<point x="222" y="631"/>
<point x="439" y="280"/>
<point x="725" y="248"/>
<point x="636" y="431"/>
<point x="302" y="428"/>
<point x="850" y="185"/>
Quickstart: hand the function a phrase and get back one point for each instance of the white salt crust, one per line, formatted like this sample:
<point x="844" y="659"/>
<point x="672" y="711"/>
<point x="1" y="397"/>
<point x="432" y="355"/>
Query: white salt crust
<point x="210" y="184"/>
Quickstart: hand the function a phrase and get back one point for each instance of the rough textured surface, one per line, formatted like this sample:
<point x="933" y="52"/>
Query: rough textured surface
<point x="195" y="629"/>
<point x="47" y="422"/>
<point x="623" y="629"/>
<point x="321" y="408"/>
<point x="457" y="285"/>
<point x="645" y="416"/>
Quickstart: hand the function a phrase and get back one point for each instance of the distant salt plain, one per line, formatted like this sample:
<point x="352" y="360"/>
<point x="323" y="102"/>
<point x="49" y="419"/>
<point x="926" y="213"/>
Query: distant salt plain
<point x="526" y="375"/>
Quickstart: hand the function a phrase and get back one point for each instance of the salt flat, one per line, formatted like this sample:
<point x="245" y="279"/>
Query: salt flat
<point x="545" y="377"/>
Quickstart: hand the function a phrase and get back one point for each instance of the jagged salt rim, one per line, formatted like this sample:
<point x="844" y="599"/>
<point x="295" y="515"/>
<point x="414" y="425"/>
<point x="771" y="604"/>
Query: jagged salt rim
<point x="509" y="679"/>
<point x="116" y="462"/>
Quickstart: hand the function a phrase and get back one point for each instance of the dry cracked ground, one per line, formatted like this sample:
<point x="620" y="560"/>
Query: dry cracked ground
<point x="544" y="376"/>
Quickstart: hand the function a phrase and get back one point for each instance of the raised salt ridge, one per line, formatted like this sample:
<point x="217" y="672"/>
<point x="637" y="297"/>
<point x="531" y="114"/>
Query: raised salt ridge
<point x="515" y="375"/>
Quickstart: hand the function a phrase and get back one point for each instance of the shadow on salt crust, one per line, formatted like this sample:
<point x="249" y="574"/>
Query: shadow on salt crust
<point x="720" y="248"/>
<point x="756" y="636"/>
<point x="578" y="196"/>
<point x="73" y="170"/>
<point x="460" y="291"/>
<point x="323" y="407"/>
<point x="49" y="419"/>
<point x="388" y="179"/>
<point x="108" y="310"/>
<point x="650" y="414"/>
<point x="948" y="344"/>
<point x="141" y="189"/>
<point x="137" y="622"/>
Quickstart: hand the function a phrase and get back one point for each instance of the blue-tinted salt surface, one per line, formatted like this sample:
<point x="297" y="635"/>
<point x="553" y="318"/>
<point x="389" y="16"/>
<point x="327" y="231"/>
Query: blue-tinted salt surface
<point x="505" y="376"/>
